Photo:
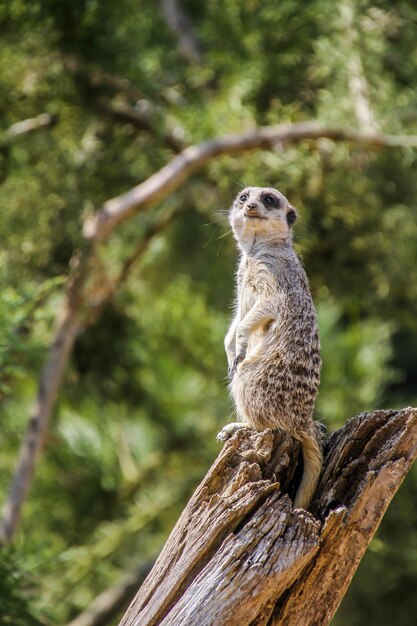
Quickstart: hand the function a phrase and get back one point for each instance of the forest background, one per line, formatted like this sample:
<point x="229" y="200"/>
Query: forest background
<point x="123" y="87"/>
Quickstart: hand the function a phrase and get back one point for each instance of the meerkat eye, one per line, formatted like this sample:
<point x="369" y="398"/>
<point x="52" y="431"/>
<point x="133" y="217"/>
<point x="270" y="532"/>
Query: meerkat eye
<point x="243" y="197"/>
<point x="270" y="201"/>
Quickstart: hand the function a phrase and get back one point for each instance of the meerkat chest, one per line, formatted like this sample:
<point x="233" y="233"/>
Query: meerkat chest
<point x="248" y="295"/>
<point x="251" y="283"/>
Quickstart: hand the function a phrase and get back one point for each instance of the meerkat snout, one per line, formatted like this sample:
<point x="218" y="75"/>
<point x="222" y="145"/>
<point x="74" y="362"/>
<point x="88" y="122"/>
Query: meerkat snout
<point x="253" y="210"/>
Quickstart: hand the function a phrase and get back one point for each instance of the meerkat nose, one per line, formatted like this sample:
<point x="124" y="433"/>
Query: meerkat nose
<point x="251" y="209"/>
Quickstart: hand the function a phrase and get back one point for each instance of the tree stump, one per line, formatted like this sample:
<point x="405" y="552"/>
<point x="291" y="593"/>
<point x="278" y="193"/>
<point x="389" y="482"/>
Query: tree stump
<point x="240" y="555"/>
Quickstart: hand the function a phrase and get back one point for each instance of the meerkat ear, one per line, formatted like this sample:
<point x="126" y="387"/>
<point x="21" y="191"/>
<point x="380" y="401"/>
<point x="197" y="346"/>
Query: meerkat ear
<point x="291" y="215"/>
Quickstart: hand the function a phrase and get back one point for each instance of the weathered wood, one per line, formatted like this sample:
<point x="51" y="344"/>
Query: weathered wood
<point x="241" y="556"/>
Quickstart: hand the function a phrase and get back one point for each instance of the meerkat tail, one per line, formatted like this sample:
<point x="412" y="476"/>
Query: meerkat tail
<point x="313" y="461"/>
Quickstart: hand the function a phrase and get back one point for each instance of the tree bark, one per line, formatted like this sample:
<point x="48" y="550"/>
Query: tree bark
<point x="241" y="556"/>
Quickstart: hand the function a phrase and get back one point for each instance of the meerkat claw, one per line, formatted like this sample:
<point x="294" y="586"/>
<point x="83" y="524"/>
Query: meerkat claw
<point x="222" y="436"/>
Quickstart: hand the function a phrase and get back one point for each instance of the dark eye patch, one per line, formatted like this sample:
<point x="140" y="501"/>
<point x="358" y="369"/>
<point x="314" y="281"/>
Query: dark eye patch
<point x="270" y="201"/>
<point x="243" y="197"/>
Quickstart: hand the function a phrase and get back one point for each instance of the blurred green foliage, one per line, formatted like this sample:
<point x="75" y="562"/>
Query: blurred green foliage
<point x="134" y="428"/>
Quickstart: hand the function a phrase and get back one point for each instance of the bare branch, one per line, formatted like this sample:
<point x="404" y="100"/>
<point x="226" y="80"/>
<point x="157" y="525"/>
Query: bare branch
<point x="66" y="330"/>
<point x="192" y="159"/>
<point x="40" y="122"/>
<point x="181" y="25"/>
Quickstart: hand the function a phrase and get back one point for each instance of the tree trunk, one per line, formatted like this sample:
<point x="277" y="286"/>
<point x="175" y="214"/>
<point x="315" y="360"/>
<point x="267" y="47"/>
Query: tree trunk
<point x="240" y="555"/>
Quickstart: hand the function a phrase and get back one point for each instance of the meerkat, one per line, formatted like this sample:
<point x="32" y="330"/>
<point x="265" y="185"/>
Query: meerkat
<point x="273" y="346"/>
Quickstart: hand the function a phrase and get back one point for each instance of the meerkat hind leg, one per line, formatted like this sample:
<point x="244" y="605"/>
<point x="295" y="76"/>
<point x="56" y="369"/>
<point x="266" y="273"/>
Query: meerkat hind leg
<point x="230" y="429"/>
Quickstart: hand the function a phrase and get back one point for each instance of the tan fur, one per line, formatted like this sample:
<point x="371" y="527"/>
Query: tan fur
<point x="273" y="345"/>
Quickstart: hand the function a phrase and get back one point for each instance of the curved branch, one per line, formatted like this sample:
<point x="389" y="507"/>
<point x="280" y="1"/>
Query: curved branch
<point x="192" y="159"/>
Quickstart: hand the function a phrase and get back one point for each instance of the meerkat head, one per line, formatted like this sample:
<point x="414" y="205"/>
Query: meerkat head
<point x="261" y="213"/>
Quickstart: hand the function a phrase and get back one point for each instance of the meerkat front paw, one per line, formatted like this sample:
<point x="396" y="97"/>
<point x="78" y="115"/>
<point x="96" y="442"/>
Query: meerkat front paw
<point x="232" y="369"/>
<point x="230" y="429"/>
